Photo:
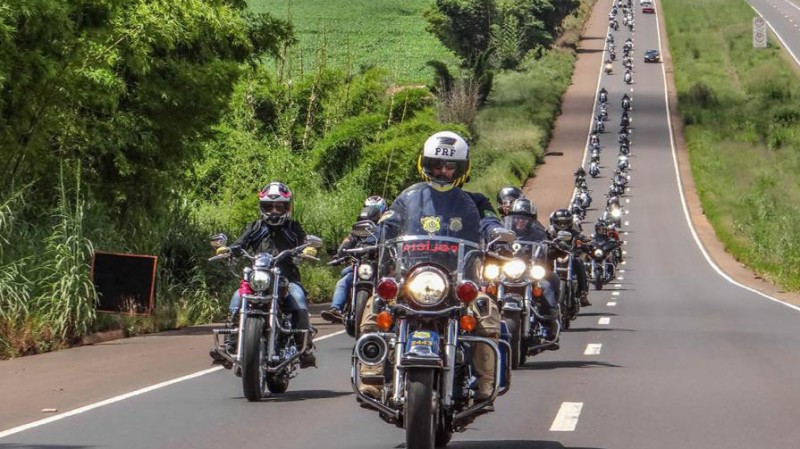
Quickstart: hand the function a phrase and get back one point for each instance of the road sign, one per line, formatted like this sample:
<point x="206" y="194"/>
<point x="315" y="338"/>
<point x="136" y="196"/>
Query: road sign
<point x="759" y="32"/>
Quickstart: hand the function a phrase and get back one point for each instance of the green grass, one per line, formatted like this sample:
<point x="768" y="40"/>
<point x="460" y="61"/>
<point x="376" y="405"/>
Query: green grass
<point x="742" y="128"/>
<point x="354" y="33"/>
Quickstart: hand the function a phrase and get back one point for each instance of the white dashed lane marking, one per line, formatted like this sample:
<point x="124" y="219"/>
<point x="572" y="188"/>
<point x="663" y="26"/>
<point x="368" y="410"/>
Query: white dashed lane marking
<point x="567" y="418"/>
<point x="611" y="304"/>
<point x="604" y="321"/>
<point x="592" y="349"/>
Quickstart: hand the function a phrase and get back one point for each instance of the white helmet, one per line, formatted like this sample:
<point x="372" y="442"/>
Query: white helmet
<point x="447" y="149"/>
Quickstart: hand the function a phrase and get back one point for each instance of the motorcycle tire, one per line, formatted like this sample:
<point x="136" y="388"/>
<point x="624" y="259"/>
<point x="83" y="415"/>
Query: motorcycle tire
<point x="562" y="300"/>
<point x="362" y="296"/>
<point x="598" y="283"/>
<point x="514" y="328"/>
<point x="253" y="378"/>
<point x="443" y="434"/>
<point x="419" y="417"/>
<point x="349" y="321"/>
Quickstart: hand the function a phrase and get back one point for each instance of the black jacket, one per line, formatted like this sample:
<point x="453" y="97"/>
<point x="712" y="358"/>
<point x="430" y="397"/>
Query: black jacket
<point x="259" y="237"/>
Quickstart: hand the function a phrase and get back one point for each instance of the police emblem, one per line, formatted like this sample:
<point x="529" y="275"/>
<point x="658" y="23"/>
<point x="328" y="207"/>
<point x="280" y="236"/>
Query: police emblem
<point x="431" y="224"/>
<point x="456" y="224"/>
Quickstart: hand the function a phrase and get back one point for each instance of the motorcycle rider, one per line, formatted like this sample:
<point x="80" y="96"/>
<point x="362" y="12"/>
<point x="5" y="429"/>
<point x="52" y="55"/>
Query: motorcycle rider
<point x="562" y="220"/>
<point x="522" y="219"/>
<point x="274" y="232"/>
<point x="505" y="197"/>
<point x="444" y="166"/>
<point x="374" y="207"/>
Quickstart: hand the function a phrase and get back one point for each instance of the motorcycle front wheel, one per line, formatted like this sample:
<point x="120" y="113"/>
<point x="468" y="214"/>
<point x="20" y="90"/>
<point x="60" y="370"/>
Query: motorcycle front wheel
<point x="513" y="324"/>
<point x="253" y="378"/>
<point x="419" y="417"/>
<point x="361" y="303"/>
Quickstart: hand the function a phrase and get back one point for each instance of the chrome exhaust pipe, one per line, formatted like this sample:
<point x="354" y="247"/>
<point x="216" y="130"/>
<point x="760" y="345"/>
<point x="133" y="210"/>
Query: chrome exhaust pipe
<point x="371" y="349"/>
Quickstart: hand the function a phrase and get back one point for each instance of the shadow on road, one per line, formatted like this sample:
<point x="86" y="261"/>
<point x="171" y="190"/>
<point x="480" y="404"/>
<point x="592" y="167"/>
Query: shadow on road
<point x="509" y="444"/>
<point x="303" y="395"/>
<point x="42" y="446"/>
<point x="596" y="329"/>
<point x="557" y="364"/>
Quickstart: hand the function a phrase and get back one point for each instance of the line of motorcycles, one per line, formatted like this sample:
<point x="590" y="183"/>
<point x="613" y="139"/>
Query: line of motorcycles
<point x="424" y="290"/>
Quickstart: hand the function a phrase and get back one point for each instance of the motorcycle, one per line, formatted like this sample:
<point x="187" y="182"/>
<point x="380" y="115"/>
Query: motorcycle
<point x="627" y="77"/>
<point x="594" y="169"/>
<point x="622" y="163"/>
<point x="268" y="348"/>
<point x="423" y="341"/>
<point x="602" y="266"/>
<point x="363" y="264"/>
<point x="626" y="103"/>
<point x="608" y="68"/>
<point x="524" y="308"/>
<point x="599" y="126"/>
<point x="568" y="300"/>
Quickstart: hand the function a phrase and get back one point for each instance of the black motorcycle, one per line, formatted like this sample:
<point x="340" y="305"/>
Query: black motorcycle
<point x="363" y="264"/>
<point x="567" y="247"/>
<point x="268" y="347"/>
<point x="524" y="308"/>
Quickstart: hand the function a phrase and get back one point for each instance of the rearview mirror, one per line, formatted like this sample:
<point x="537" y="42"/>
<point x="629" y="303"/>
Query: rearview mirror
<point x="314" y="241"/>
<point x="502" y="235"/>
<point x="218" y="240"/>
<point x="364" y="228"/>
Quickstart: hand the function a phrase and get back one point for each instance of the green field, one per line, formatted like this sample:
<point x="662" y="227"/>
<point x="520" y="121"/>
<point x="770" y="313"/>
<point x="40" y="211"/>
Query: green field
<point x="742" y="127"/>
<point x="355" y="33"/>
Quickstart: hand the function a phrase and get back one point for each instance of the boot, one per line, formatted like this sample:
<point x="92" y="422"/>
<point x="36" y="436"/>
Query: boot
<point x="484" y="360"/>
<point x="332" y="315"/>
<point x="585" y="299"/>
<point x="372" y="380"/>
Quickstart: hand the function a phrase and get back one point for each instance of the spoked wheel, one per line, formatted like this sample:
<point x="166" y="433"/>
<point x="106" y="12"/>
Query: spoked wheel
<point x="253" y="347"/>
<point x="419" y="419"/>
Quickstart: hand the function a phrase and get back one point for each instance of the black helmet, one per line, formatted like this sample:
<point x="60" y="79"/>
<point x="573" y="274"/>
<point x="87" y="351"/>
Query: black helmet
<point x="506" y="196"/>
<point x="523" y="206"/>
<point x="561" y="219"/>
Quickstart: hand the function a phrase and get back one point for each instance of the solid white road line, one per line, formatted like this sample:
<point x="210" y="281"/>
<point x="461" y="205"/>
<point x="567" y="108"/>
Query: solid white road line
<point x="604" y="320"/>
<point x="122" y="397"/>
<point x="592" y="349"/>
<point x="567" y="417"/>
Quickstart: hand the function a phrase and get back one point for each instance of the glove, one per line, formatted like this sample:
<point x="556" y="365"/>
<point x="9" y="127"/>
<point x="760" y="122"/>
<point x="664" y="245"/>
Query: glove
<point x="234" y="250"/>
<point x="223" y="250"/>
<point x="309" y="251"/>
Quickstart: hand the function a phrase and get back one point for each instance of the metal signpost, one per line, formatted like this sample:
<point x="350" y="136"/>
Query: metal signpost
<point x="759" y="32"/>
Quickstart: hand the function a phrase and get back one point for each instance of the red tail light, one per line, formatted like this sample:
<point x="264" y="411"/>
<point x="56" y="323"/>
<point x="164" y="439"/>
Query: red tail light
<point x="387" y="289"/>
<point x="467" y="291"/>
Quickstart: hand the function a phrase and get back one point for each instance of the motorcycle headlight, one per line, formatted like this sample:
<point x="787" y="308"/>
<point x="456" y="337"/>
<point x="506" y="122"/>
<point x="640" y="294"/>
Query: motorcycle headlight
<point x="365" y="271"/>
<point x="428" y="287"/>
<point x="259" y="280"/>
<point x="598" y="253"/>
<point x="491" y="272"/>
<point x="514" y="269"/>
<point x="538" y="272"/>
<point x="616" y="212"/>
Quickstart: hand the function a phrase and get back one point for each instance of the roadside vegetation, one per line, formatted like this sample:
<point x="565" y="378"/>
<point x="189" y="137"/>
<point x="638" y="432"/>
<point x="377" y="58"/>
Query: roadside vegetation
<point x="741" y="118"/>
<point x="162" y="119"/>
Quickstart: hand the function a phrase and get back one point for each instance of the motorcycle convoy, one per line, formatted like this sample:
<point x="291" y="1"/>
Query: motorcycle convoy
<point x="422" y="287"/>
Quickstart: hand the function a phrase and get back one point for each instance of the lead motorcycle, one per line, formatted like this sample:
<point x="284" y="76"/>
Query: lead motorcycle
<point x="519" y="289"/>
<point x="423" y="341"/>
<point x="268" y="347"/>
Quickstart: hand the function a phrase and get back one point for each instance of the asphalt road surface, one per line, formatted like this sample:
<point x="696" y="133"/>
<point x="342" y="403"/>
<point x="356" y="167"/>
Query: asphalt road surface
<point x="783" y="16"/>
<point x="669" y="356"/>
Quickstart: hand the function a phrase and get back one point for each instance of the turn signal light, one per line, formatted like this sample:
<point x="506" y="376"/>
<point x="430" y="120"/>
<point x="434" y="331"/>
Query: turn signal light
<point x="537" y="291"/>
<point x="387" y="289"/>
<point x="384" y="321"/>
<point x="467" y="322"/>
<point x="467" y="291"/>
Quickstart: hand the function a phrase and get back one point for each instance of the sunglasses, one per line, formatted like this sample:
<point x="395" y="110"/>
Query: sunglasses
<point x="274" y="207"/>
<point x="438" y="163"/>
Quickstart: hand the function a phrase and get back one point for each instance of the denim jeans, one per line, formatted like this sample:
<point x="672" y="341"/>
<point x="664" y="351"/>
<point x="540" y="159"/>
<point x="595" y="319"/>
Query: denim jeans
<point x="342" y="289"/>
<point x="296" y="301"/>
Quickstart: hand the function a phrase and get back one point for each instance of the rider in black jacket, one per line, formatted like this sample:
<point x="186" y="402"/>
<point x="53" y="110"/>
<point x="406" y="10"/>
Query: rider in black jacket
<point x="561" y="220"/>
<point x="274" y="232"/>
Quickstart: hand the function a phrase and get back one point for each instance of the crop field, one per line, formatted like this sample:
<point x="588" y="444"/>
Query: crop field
<point x="356" y="33"/>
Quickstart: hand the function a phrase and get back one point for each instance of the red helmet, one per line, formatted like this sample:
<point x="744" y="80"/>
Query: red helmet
<point x="275" y="201"/>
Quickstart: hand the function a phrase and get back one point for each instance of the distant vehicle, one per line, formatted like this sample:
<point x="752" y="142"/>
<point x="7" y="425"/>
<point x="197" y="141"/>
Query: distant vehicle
<point x="647" y="7"/>
<point x="652" y="55"/>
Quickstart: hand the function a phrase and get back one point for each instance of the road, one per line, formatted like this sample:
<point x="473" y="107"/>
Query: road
<point x="672" y="355"/>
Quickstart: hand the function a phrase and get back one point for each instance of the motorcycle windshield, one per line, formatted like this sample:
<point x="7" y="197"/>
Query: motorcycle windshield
<point x="526" y="250"/>
<point x="458" y="259"/>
